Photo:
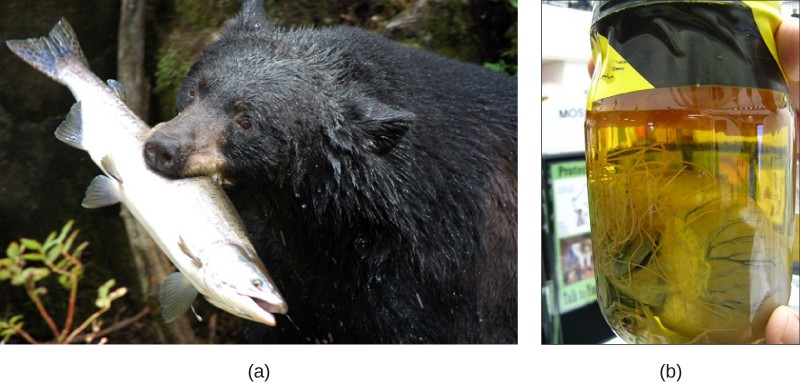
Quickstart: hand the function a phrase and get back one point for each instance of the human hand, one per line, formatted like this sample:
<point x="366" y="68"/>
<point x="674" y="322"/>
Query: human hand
<point x="787" y="38"/>
<point x="783" y="327"/>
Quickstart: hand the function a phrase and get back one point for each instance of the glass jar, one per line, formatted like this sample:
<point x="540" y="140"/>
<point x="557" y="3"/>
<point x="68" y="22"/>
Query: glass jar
<point x="689" y="146"/>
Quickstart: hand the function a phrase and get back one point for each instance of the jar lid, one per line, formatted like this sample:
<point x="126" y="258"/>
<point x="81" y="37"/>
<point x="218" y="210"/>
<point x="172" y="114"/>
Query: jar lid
<point x="668" y="43"/>
<point x="603" y="8"/>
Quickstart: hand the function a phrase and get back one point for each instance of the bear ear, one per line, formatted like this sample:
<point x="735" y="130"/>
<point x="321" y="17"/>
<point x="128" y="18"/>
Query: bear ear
<point x="251" y="18"/>
<point x="382" y="126"/>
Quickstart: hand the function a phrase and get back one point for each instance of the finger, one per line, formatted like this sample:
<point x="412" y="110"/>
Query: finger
<point x="590" y="67"/>
<point x="787" y="39"/>
<point x="783" y="327"/>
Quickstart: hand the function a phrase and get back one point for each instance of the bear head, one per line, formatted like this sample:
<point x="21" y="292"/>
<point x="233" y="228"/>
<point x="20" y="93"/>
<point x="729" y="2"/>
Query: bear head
<point x="264" y="101"/>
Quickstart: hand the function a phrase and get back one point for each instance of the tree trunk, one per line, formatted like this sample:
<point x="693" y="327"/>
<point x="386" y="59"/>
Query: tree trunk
<point x="151" y="264"/>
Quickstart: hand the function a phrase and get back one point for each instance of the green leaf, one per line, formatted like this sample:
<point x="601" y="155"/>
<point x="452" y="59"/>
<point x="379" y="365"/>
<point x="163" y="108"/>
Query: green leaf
<point x="65" y="230"/>
<point x="7" y="262"/>
<point x="19" y="278"/>
<point x="13" y="250"/>
<point x="50" y="240"/>
<point x="33" y="257"/>
<point x="102" y="302"/>
<point x="54" y="252"/>
<point x="5" y="274"/>
<point x="62" y="263"/>
<point x="70" y="240"/>
<point x="31" y="273"/>
<point x="76" y="271"/>
<point x="31" y="244"/>
<point x="7" y="332"/>
<point x="102" y="291"/>
<point x="38" y="273"/>
<point x="65" y="281"/>
<point x="104" y="299"/>
<point x="118" y="293"/>
<point x="79" y="250"/>
<point x="10" y="328"/>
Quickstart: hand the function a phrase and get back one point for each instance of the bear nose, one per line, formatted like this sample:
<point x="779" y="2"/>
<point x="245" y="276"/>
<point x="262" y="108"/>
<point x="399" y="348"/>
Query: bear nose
<point x="161" y="154"/>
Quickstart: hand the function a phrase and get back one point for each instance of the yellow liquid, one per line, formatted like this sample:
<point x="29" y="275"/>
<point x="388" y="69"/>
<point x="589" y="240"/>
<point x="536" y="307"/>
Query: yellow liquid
<point x="796" y="246"/>
<point x="691" y="206"/>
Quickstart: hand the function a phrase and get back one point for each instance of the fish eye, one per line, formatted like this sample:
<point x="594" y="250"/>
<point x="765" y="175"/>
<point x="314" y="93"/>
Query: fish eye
<point x="257" y="283"/>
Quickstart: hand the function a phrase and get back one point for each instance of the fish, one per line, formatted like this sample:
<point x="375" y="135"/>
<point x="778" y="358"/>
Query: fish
<point x="192" y="220"/>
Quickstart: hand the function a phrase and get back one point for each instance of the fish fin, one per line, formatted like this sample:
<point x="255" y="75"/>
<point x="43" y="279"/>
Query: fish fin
<point x="70" y="131"/>
<point x="186" y="250"/>
<point x="175" y="296"/>
<point x="108" y="165"/>
<point x="102" y="191"/>
<point x="48" y="53"/>
<point x="117" y="87"/>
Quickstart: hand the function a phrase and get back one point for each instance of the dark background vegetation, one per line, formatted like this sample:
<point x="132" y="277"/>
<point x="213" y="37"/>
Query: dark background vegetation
<point x="42" y="181"/>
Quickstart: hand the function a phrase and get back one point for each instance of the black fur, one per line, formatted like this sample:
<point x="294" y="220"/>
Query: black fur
<point x="378" y="182"/>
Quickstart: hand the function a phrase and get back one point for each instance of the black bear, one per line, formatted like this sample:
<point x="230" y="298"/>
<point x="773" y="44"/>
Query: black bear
<point x="378" y="182"/>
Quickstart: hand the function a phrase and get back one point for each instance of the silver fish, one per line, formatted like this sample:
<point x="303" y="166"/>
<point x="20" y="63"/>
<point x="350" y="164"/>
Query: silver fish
<point x="192" y="219"/>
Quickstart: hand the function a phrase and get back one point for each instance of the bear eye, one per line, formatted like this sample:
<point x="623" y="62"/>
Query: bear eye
<point x="191" y="92"/>
<point x="245" y="122"/>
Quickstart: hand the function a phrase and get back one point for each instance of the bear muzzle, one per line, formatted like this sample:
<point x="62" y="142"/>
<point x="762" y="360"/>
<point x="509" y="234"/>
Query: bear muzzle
<point x="163" y="154"/>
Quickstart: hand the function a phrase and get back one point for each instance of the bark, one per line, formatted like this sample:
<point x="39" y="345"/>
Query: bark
<point x="152" y="266"/>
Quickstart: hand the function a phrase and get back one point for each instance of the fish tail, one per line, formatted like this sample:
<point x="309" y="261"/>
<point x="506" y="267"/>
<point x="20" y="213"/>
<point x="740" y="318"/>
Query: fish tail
<point x="49" y="53"/>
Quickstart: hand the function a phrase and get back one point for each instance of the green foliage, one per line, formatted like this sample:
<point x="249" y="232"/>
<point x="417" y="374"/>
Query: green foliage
<point x="204" y="13"/>
<point x="11" y="327"/>
<point x="169" y="68"/>
<point x="176" y="54"/>
<point x="28" y="262"/>
<point x="501" y="65"/>
<point x="195" y="24"/>
<point x="105" y="296"/>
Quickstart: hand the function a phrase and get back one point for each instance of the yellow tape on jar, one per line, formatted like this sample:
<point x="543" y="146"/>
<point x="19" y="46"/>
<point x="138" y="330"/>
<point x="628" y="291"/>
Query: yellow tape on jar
<point x="615" y="74"/>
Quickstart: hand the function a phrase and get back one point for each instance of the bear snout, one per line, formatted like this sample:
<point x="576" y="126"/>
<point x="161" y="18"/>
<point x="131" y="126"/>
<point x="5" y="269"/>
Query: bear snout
<point x="162" y="154"/>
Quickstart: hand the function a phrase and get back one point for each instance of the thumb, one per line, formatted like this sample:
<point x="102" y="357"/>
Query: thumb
<point x="783" y="327"/>
<point x="788" y="40"/>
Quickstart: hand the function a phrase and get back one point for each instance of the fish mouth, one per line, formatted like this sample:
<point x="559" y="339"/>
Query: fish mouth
<point x="263" y="309"/>
<point x="279" y="308"/>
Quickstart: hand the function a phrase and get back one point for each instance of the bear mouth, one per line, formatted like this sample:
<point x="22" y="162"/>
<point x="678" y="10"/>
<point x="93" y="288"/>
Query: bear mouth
<point x="219" y="179"/>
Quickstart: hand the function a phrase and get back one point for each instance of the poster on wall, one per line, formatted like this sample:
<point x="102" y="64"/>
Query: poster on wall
<point x="574" y="268"/>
